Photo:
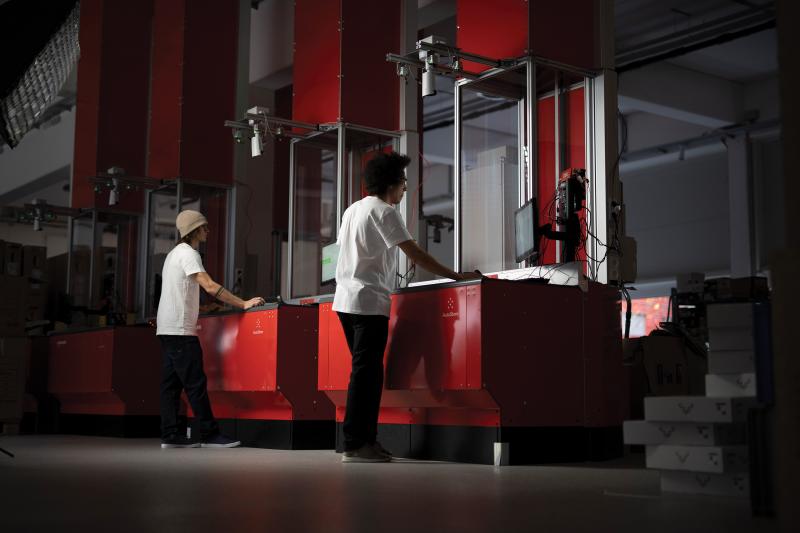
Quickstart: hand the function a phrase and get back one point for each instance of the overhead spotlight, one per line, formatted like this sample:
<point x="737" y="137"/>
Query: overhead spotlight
<point x="113" y="193"/>
<point x="256" y="144"/>
<point x="428" y="81"/>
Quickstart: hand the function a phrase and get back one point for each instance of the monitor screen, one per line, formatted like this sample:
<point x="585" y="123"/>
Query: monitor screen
<point x="330" y="255"/>
<point x="526" y="222"/>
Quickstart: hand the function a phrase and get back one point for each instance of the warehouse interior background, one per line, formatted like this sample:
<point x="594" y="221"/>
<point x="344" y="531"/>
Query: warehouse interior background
<point x="690" y="112"/>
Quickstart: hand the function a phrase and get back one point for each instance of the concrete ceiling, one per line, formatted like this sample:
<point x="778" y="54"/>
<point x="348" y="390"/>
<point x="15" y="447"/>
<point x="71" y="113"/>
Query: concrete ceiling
<point x="744" y="60"/>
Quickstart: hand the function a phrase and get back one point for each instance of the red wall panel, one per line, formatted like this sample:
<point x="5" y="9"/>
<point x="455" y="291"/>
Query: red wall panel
<point x="209" y="90"/>
<point x="370" y="87"/>
<point x="113" y="86"/>
<point x="317" y="54"/>
<point x="193" y="90"/>
<point x="576" y="144"/>
<point x="546" y="168"/>
<point x="497" y="29"/>
<point x="564" y="32"/>
<point x="166" y="83"/>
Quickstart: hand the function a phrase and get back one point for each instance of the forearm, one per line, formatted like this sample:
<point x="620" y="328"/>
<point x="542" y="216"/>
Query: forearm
<point x="426" y="261"/>
<point x="223" y="295"/>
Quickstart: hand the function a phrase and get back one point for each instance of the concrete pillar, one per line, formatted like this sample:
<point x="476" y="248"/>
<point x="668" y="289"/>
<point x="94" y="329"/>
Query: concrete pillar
<point x="786" y="284"/>
<point x="740" y="197"/>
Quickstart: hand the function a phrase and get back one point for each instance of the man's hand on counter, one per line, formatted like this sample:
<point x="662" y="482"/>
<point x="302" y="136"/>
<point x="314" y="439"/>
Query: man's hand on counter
<point x="254" y="302"/>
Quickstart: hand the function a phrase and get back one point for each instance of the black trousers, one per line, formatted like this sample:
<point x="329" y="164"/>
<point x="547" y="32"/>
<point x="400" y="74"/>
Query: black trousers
<point x="182" y="368"/>
<point x="366" y="336"/>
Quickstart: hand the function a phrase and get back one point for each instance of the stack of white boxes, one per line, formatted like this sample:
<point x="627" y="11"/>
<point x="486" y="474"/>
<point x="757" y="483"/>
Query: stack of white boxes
<point x="699" y="442"/>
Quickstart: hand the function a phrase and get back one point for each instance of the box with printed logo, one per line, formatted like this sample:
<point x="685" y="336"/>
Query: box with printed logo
<point x="697" y="409"/>
<point x="709" y="459"/>
<point x="733" y="485"/>
<point x="693" y="434"/>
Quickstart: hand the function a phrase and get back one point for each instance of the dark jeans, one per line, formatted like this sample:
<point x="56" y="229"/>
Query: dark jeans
<point x="182" y="368"/>
<point x="366" y="336"/>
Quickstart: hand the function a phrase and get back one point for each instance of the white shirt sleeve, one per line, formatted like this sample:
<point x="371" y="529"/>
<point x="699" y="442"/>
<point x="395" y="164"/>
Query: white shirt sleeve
<point x="392" y="228"/>
<point x="191" y="263"/>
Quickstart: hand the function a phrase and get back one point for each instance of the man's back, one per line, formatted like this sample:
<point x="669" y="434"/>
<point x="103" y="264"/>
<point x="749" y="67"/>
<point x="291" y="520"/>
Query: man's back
<point x="179" y="305"/>
<point x="370" y="230"/>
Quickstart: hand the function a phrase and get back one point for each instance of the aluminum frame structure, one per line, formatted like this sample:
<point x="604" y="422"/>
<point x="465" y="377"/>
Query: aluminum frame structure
<point x="342" y="202"/>
<point x="528" y="180"/>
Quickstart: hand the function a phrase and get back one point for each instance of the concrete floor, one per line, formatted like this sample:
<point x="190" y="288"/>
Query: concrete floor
<point x="66" y="483"/>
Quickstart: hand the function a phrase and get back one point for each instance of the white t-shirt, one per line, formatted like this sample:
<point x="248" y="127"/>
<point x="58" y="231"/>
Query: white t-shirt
<point x="180" y="293"/>
<point x="365" y="271"/>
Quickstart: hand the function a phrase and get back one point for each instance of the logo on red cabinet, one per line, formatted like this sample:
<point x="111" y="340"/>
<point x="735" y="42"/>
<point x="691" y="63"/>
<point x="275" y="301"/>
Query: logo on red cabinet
<point x="450" y="311"/>
<point x="258" y="330"/>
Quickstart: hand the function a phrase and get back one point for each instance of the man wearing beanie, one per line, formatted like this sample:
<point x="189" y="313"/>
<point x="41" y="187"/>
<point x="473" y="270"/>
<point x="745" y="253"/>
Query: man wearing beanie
<point x="182" y="356"/>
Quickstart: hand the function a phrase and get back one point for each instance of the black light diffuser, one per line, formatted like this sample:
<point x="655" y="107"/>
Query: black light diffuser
<point x="41" y="58"/>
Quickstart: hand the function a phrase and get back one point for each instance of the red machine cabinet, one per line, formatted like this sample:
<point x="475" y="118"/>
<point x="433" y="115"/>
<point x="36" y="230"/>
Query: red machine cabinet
<point x="534" y="365"/>
<point x="261" y="368"/>
<point x="106" y="380"/>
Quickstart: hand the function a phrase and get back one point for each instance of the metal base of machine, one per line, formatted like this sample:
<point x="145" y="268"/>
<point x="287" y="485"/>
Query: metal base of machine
<point x="475" y="444"/>
<point x="136" y="426"/>
<point x="281" y="434"/>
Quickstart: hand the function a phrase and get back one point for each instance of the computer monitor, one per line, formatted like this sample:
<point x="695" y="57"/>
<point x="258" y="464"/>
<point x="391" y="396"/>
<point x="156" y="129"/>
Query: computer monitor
<point x="526" y="231"/>
<point x="330" y="255"/>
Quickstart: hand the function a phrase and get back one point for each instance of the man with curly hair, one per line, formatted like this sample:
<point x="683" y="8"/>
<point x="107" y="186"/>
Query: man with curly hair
<point x="371" y="229"/>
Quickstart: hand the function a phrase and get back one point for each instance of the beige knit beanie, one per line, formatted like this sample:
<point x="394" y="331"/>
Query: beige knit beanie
<point x="188" y="221"/>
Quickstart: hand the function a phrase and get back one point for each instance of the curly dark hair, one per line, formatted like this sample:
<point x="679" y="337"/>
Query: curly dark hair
<point x="385" y="170"/>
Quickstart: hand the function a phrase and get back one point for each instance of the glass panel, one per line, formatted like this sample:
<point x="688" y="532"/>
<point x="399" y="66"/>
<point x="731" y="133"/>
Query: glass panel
<point x="209" y="200"/>
<point x="490" y="174"/>
<point x="436" y="181"/>
<point x="103" y="264"/>
<point x="360" y="147"/>
<point x="80" y="260"/>
<point x="314" y="199"/>
<point x="163" y="236"/>
<point x="115" y="264"/>
<point x="213" y="203"/>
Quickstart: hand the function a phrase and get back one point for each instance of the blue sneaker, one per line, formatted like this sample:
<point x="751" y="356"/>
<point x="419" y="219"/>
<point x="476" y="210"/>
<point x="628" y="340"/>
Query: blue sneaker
<point x="177" y="441"/>
<point x="220" y="441"/>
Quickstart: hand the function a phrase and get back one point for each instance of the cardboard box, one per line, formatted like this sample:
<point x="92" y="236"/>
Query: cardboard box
<point x="731" y="362"/>
<point x="34" y="262"/>
<point x="691" y="282"/>
<point x="730" y="315"/>
<point x="13" y="361"/>
<point x="697" y="409"/>
<point x="661" y="361"/>
<point x="752" y="288"/>
<point x="740" y="385"/>
<point x="689" y="434"/>
<point x="709" y="459"/>
<point x="12" y="306"/>
<point x="36" y="300"/>
<point x="732" y="485"/>
<point x="727" y="339"/>
<point x="11" y="258"/>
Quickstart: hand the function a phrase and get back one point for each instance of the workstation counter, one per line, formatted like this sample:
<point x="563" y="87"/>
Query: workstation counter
<point x="106" y="380"/>
<point x="534" y="367"/>
<point x="261" y="367"/>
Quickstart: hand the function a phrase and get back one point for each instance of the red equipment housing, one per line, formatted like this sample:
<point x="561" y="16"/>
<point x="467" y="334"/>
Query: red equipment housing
<point x="469" y="364"/>
<point x="261" y="368"/>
